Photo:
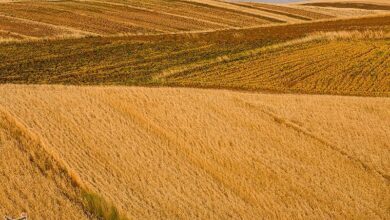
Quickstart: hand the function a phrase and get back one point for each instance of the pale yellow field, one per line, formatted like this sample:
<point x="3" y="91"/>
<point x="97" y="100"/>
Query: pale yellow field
<point x="198" y="154"/>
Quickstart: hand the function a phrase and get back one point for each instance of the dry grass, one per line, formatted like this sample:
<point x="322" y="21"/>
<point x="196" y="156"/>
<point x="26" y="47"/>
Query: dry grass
<point x="303" y="15"/>
<point x="188" y="153"/>
<point x="37" y="181"/>
<point x="20" y="27"/>
<point x="291" y="10"/>
<point x="341" y="12"/>
<point x="98" y="17"/>
<point x="30" y="181"/>
<point x="350" y="5"/>
<point x="351" y="35"/>
<point x="380" y="2"/>
<point x="69" y="152"/>
<point x="105" y="18"/>
<point x="348" y="67"/>
<point x="288" y="58"/>
<point x="264" y="15"/>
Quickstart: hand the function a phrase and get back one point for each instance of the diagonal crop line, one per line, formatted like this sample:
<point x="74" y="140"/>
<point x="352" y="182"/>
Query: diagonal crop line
<point x="48" y="161"/>
<point x="301" y="130"/>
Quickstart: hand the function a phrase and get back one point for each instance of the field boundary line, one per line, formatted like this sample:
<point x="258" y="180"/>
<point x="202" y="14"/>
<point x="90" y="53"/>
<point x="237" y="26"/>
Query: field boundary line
<point x="20" y="131"/>
<point x="59" y="167"/>
<point x="178" y="33"/>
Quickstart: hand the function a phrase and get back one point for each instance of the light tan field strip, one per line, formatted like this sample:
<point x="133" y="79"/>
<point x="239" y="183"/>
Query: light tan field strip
<point x="217" y="24"/>
<point x="62" y="29"/>
<point x="253" y="11"/>
<point x="290" y="10"/>
<point x="192" y="153"/>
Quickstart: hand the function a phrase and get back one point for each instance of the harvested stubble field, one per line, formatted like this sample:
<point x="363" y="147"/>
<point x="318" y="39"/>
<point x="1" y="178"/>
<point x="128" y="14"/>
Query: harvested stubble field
<point x="234" y="59"/>
<point x="348" y="67"/>
<point x="286" y="11"/>
<point x="100" y="148"/>
<point x="190" y="153"/>
<point x="133" y="17"/>
<point x="351" y="5"/>
<point x="22" y="28"/>
<point x="94" y="17"/>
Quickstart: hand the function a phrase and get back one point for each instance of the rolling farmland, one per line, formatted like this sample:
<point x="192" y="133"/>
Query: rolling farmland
<point x="348" y="67"/>
<point x="59" y="19"/>
<point x="218" y="154"/>
<point x="132" y="17"/>
<point x="194" y="109"/>
<point x="250" y="59"/>
<point x="351" y="5"/>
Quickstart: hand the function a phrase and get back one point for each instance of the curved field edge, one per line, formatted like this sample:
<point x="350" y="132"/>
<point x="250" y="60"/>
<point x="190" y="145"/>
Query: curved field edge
<point x="317" y="67"/>
<point x="185" y="59"/>
<point x="89" y="204"/>
<point x="164" y="153"/>
<point x="315" y="64"/>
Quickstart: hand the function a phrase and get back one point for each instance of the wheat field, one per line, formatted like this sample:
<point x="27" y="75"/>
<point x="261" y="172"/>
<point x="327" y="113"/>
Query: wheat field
<point x="194" y="109"/>
<point x="190" y="153"/>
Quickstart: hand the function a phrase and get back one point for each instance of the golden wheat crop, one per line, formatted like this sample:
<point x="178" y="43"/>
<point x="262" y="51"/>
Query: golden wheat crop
<point x="188" y="153"/>
<point x="29" y="181"/>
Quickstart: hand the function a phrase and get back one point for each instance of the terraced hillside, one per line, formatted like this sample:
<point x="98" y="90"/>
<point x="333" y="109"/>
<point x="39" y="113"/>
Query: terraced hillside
<point x="190" y="153"/>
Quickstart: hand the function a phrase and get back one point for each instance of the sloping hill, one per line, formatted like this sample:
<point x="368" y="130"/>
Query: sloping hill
<point x="51" y="19"/>
<point x="302" y="58"/>
<point x="188" y="153"/>
<point x="365" y="6"/>
<point x="72" y="19"/>
<point x="348" y="67"/>
<point x="31" y="181"/>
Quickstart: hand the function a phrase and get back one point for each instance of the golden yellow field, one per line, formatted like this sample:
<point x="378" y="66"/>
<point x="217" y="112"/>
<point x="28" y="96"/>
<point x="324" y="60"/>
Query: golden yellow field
<point x="194" y="109"/>
<point x="189" y="153"/>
